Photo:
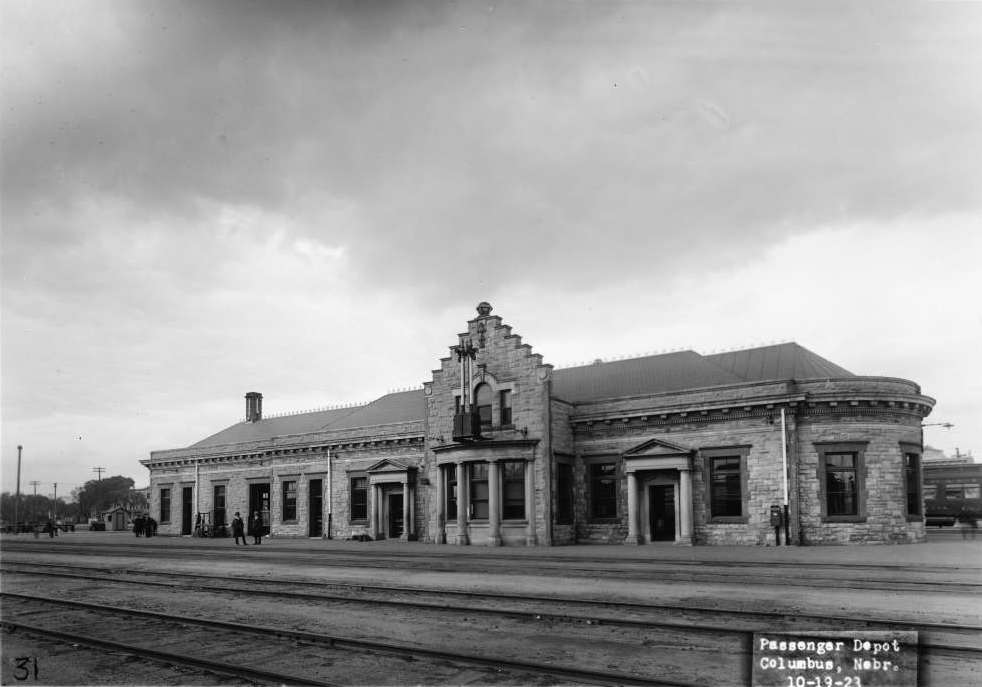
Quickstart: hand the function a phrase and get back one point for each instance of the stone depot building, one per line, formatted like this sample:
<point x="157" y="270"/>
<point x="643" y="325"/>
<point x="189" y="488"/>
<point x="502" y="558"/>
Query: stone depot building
<point x="500" y="448"/>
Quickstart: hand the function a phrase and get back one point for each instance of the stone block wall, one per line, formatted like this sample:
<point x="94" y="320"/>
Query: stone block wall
<point x="352" y="462"/>
<point x="885" y="495"/>
<point x="764" y="475"/>
<point x="509" y="364"/>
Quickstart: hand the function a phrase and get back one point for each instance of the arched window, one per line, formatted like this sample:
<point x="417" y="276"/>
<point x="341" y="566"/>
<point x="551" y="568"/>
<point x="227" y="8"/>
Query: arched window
<point x="482" y="401"/>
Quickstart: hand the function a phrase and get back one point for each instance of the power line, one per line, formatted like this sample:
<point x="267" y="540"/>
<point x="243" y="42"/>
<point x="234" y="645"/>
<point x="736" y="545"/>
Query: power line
<point x="99" y="471"/>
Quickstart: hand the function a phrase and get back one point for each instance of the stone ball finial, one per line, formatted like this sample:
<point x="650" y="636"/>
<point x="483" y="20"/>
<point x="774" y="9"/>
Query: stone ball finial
<point x="484" y="308"/>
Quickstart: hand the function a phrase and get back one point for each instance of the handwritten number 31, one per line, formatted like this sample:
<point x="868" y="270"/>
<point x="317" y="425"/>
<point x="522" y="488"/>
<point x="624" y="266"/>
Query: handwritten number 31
<point x="24" y="664"/>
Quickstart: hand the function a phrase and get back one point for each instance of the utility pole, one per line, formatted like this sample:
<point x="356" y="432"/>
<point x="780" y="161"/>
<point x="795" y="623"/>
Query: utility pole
<point x="34" y="483"/>
<point x="56" y="500"/>
<point x="17" y="500"/>
<point x="99" y="472"/>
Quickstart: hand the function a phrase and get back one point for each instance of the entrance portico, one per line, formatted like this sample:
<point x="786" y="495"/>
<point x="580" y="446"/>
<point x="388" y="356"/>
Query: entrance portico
<point x="391" y="500"/>
<point x="659" y="485"/>
<point x="486" y="493"/>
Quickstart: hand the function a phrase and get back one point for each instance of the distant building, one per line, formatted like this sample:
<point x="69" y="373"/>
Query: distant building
<point x="116" y="518"/>
<point x="498" y="447"/>
<point x="933" y="456"/>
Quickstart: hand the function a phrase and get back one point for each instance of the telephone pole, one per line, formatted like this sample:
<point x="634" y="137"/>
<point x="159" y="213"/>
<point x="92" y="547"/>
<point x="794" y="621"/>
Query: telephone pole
<point x="56" y="500"/>
<point x="99" y="472"/>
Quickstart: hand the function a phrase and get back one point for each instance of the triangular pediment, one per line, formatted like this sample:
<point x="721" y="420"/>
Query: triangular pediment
<point x="388" y="465"/>
<point x="655" y="448"/>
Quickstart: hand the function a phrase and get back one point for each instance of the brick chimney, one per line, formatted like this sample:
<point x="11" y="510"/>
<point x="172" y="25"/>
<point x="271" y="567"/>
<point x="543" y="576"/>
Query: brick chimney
<point x="254" y="406"/>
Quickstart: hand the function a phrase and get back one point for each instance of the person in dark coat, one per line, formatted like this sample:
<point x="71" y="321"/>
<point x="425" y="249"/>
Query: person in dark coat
<point x="150" y="526"/>
<point x="256" y="527"/>
<point x="238" y="529"/>
<point x="138" y="525"/>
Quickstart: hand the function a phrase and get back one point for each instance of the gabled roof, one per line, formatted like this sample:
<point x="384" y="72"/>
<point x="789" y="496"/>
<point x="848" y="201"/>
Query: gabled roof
<point x="388" y="465"/>
<point x="780" y="361"/>
<point x="657" y="447"/>
<point x="403" y="406"/>
<point x="689" y="370"/>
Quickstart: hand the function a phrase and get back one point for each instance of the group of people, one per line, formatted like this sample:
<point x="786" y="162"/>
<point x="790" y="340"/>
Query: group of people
<point x="144" y="526"/>
<point x="147" y="527"/>
<point x="255" y="528"/>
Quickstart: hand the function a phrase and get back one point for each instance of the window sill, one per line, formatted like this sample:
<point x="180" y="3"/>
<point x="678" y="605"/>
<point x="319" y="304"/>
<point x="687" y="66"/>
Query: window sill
<point x="844" y="518"/>
<point x="728" y="520"/>
<point x="292" y="521"/>
<point x="358" y="522"/>
<point x="604" y="521"/>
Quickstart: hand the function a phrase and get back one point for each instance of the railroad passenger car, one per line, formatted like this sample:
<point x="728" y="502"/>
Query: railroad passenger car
<point x="948" y="489"/>
<point x="500" y="448"/>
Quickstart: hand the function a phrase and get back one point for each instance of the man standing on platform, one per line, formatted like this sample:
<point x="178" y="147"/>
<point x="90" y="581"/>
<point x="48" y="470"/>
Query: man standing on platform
<point x="256" y="527"/>
<point x="238" y="529"/>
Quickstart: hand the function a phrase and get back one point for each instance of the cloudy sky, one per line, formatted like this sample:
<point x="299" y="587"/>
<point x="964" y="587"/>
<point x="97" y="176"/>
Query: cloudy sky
<point x="201" y="199"/>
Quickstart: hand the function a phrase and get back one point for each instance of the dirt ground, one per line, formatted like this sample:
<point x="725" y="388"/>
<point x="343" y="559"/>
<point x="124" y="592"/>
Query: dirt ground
<point x="677" y="657"/>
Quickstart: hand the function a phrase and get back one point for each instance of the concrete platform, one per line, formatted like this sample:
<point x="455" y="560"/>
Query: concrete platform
<point x="945" y="548"/>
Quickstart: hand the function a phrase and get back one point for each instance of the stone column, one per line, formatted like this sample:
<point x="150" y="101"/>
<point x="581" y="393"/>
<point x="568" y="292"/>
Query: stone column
<point x="685" y="506"/>
<point x="494" y="503"/>
<point x="462" y="538"/>
<point x="441" y="505"/>
<point x="372" y="508"/>
<point x="633" y="531"/>
<point x="406" y="522"/>
<point x="530" y="503"/>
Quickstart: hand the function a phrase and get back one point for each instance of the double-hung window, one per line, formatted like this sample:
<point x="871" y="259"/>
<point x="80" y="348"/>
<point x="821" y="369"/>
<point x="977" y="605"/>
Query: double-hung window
<point x="218" y="518"/>
<point x="290" y="500"/>
<point x="165" y="505"/>
<point x="603" y="491"/>
<point x="482" y="404"/>
<point x="359" y="499"/>
<point x="504" y="398"/>
<point x="725" y="487"/>
<point x="479" y="490"/>
<point x="842" y="477"/>
<point x="725" y="473"/>
<point x="513" y="490"/>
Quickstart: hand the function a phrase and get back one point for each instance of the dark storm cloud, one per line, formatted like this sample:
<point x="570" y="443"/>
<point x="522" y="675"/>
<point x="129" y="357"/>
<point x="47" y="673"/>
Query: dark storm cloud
<point x="566" y="142"/>
<point x="200" y="196"/>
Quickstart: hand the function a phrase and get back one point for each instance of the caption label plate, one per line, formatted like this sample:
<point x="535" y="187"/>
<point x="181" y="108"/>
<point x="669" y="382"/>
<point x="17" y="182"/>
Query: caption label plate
<point x="835" y="659"/>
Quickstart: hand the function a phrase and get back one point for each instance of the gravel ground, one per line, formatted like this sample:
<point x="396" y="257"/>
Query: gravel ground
<point x="597" y="647"/>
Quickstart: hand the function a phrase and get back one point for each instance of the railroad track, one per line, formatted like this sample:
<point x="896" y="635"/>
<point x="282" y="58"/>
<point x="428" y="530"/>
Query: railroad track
<point x="322" y="655"/>
<point x="528" y="607"/>
<point x="793" y="574"/>
<point x="947" y="652"/>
